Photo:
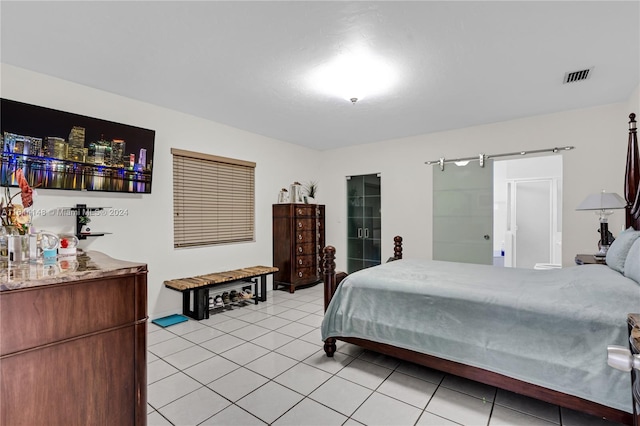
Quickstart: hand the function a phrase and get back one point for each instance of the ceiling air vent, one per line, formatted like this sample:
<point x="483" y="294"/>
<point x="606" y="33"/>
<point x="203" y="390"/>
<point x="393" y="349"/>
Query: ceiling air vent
<point x="572" y="77"/>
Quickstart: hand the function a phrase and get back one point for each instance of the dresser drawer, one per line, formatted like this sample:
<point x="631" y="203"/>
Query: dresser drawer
<point x="307" y="261"/>
<point x="46" y="315"/>
<point x="305" y="275"/>
<point x="305" y="224"/>
<point x="305" y="237"/>
<point x="305" y="211"/>
<point x="305" y="248"/>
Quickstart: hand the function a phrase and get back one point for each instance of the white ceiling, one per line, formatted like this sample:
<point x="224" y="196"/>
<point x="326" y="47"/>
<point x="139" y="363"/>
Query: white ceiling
<point x="245" y="63"/>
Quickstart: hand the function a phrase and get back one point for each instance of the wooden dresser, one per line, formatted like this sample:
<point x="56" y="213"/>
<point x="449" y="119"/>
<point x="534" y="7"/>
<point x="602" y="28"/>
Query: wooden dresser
<point x="298" y="239"/>
<point x="73" y="342"/>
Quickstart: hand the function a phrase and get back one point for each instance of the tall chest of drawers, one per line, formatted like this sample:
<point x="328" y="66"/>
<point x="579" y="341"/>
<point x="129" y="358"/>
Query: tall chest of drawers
<point x="298" y="239"/>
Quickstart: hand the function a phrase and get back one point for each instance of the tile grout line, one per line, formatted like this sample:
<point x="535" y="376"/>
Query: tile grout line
<point x="298" y="338"/>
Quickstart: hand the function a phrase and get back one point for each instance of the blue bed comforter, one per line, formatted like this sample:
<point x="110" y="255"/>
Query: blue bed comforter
<point x="546" y="327"/>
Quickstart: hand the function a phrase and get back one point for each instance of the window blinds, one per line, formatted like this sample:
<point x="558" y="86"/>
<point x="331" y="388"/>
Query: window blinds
<point x="213" y="199"/>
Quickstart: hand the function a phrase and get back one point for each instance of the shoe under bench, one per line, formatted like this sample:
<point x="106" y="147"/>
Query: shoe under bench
<point x="195" y="290"/>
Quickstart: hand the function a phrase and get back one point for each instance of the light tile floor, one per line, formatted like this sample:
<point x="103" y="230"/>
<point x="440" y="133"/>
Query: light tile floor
<point x="264" y="364"/>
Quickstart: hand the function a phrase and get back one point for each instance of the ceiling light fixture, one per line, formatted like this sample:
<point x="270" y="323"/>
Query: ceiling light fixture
<point x="354" y="76"/>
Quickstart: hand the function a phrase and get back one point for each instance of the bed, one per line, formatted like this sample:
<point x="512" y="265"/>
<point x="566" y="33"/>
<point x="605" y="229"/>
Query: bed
<point x="540" y="333"/>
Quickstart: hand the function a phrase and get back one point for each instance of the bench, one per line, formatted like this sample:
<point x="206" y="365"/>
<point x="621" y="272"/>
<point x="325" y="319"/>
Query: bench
<point x="200" y="285"/>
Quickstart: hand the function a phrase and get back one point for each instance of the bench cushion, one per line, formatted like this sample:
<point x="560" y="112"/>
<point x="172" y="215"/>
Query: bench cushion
<point x="189" y="283"/>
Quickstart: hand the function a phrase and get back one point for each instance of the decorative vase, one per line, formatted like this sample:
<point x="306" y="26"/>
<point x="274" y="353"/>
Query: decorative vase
<point x="68" y="245"/>
<point x="295" y="193"/>
<point x="14" y="245"/>
<point x="5" y="232"/>
<point x="283" y="196"/>
<point x="49" y="244"/>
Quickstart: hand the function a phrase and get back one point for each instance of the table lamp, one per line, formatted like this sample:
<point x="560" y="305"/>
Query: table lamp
<point x="603" y="203"/>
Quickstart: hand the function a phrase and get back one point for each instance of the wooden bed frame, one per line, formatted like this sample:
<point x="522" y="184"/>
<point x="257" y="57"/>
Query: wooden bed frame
<point x="331" y="281"/>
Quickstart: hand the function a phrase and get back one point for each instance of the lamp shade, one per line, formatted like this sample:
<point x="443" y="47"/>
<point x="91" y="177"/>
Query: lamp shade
<point x="602" y="201"/>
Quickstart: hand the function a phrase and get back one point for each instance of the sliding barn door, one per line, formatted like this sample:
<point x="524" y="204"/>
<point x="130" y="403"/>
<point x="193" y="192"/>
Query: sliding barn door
<point x="463" y="213"/>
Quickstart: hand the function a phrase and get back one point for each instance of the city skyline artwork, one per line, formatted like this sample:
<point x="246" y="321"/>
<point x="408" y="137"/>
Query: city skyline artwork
<point x="62" y="150"/>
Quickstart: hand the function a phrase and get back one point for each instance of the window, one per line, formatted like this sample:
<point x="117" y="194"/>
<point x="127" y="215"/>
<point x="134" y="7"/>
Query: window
<point x="213" y="199"/>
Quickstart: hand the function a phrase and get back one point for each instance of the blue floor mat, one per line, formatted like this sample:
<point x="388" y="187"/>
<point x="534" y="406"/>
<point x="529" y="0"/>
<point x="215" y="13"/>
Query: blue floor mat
<point x="170" y="320"/>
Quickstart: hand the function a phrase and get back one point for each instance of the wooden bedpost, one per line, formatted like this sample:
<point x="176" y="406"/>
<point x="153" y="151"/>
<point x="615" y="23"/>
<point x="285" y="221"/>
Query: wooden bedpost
<point x="632" y="176"/>
<point x="397" y="247"/>
<point x="332" y="280"/>
<point x="329" y="270"/>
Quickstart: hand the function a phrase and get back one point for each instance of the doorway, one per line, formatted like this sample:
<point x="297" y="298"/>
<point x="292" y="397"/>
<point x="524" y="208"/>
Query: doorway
<point x="507" y="213"/>
<point x="528" y="212"/>
<point x="364" y="222"/>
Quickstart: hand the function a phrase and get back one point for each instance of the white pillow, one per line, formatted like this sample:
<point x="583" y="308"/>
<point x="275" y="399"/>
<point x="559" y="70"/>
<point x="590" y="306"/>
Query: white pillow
<point x="632" y="264"/>
<point x="617" y="253"/>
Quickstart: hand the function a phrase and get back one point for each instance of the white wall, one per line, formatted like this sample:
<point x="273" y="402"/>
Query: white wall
<point x="634" y="102"/>
<point x="599" y="135"/>
<point x="146" y="233"/>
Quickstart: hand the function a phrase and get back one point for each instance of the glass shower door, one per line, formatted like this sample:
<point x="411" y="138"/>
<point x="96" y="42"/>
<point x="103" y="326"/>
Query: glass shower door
<point x="463" y="213"/>
<point x="363" y="222"/>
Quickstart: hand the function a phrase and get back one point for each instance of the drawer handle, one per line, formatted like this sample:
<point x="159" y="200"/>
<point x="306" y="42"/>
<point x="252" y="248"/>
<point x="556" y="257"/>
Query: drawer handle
<point x="299" y="211"/>
<point x="299" y="224"/>
<point x="299" y="261"/>
<point x="300" y="274"/>
<point x="299" y="249"/>
<point x="300" y="237"/>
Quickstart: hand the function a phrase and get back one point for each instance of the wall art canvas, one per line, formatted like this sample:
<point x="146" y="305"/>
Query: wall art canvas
<point x="62" y="150"/>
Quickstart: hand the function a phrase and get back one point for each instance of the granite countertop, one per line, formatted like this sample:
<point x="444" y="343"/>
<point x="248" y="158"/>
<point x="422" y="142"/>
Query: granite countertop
<point x="84" y="265"/>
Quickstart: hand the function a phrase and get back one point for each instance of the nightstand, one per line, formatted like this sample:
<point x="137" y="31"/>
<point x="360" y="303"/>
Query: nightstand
<point x="587" y="259"/>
